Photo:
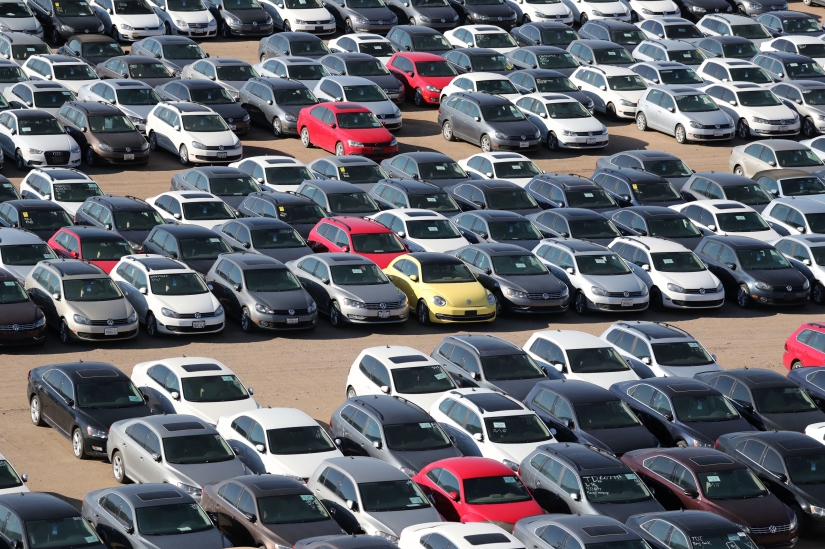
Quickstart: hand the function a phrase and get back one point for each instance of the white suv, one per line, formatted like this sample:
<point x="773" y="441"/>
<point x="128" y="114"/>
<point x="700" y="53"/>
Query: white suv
<point x="169" y="297"/>
<point x="66" y="187"/>
<point x="72" y="73"/>
<point x="194" y="132"/>
<point x="192" y="208"/>
<point x="614" y="90"/>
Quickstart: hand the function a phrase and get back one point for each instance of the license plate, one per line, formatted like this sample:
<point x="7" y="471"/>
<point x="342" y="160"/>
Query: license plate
<point x="198" y="31"/>
<point x="221" y="155"/>
<point x="591" y="141"/>
<point x="319" y="28"/>
<point x="128" y="157"/>
<point x="383" y="314"/>
<point x="233" y="127"/>
<point x="110" y="331"/>
<point x="198" y="324"/>
<point x="524" y="144"/>
<point x="627" y="303"/>
<point x="783" y="128"/>
<point x="135" y="35"/>
<point x="717" y="133"/>
<point x="292" y="321"/>
<point x="471" y="313"/>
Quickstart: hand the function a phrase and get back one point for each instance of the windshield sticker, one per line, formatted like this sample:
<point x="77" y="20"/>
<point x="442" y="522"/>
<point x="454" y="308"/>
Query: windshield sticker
<point x="588" y="195"/>
<point x="440" y="168"/>
<point x="227" y="378"/>
<point x="713" y="478"/>
<point x="432" y="229"/>
<point x="416" y="500"/>
<point x="214" y="240"/>
<point x="740" y="217"/>
<point x="499" y="425"/>
<point x="424" y="425"/>
<point x="89" y="539"/>
<point x="357" y="271"/>
<point x="431" y="199"/>
<point x="693" y="345"/>
<point x="510" y="480"/>
<point x="437" y="376"/>
<point x="308" y="497"/>
<point x="667" y="261"/>
<point x="8" y="283"/>
<point x="520" y="265"/>
<point x="133" y="398"/>
<point x="601" y="261"/>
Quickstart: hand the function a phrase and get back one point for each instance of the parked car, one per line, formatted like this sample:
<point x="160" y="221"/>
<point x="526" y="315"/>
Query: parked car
<point x="91" y="48"/>
<point x="422" y="230"/>
<point x="561" y="190"/>
<point x="356" y="170"/>
<point x="45" y="96"/>
<point x="544" y="33"/>
<point x="491" y="117"/>
<point x="429" y="167"/>
<point x="493" y="195"/>
<point x="364" y="237"/>
<point x="229" y="73"/>
<point x="33" y="127"/>
<point x="196" y="247"/>
<point x="96" y="246"/>
<point x="578" y="223"/>
<point x="193" y="20"/>
<point x="805" y="347"/>
<point x="287" y="44"/>
<point x="37" y="510"/>
<point x="229" y="184"/>
<point x="657" y="221"/>
<point x="757" y="112"/>
<point x="419" y="38"/>
<point x="105" y="134"/>
<point x="25" y="325"/>
<point x="41" y="217"/>
<point x="134" y="99"/>
<point x="658" y="528"/>
<point x="587" y="528"/>
<point x="300" y="212"/>
<point x="354" y="125"/>
<point x="423" y="75"/>
<point x="64" y="19"/>
<point x="563" y="121"/>
<point x="688" y="114"/>
<point x="720" y="185"/>
<point x="191" y="208"/>
<point x="803" y="252"/>
<point x="195" y="124"/>
<point x="127" y="216"/>
<point x="409" y="193"/>
<point x="175" y="51"/>
<point x="794" y="215"/>
<point x="615" y="91"/>
<point x="67" y="188"/>
<point x="143" y="69"/>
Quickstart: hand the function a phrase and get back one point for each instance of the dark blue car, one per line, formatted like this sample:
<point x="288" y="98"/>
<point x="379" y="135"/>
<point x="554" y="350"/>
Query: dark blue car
<point x="812" y="381"/>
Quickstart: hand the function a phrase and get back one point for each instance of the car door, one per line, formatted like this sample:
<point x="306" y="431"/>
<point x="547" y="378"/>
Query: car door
<point x="49" y="393"/>
<point x="445" y="483"/>
<point x="224" y="506"/>
<point x="112" y="523"/>
<point x="133" y="451"/>
<point x="240" y="520"/>
<point x="547" y="490"/>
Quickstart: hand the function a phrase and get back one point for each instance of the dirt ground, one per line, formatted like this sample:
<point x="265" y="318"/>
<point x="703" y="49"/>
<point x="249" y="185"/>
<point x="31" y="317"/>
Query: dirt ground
<point x="309" y="371"/>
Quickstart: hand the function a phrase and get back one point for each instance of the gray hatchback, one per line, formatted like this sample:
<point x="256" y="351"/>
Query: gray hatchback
<point x="276" y="103"/>
<point x="264" y="235"/>
<point x="491" y="121"/>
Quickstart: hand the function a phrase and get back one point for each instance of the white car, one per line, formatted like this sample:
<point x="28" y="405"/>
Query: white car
<point x="198" y="386"/>
<point x="805" y="252"/>
<point x="192" y="208"/>
<point x="490" y="424"/>
<point x="482" y="82"/>
<point x="21" y="251"/>
<point x="809" y="46"/>
<point x="580" y="356"/>
<point x="278" y="441"/>
<point x="797" y="215"/>
<point x="197" y="134"/>
<point x="402" y="371"/>
<point x="756" y="111"/>
<point x="46" y="96"/>
<point x="364" y="92"/>
<point x="457" y="534"/>
<point x="481" y="36"/>
<point x="613" y="90"/>
<point x="230" y="73"/>
<point x="422" y="230"/>
<point x="563" y="121"/>
<point x="308" y="16"/>
<point x="169" y="297"/>
<point x="16" y="16"/>
<point x="509" y="166"/>
<point x="128" y="20"/>
<point x="817" y="146"/>
<point x="26" y="136"/>
<point x="275" y="173"/>
<point x="186" y="18"/>
<point x="12" y="482"/>
<point x="675" y="276"/>
<point x="585" y="10"/>
<point x="134" y="98"/>
<point x="719" y="71"/>
<point x="541" y="10"/>
<point x="816" y="431"/>
<point x="728" y="24"/>
<point x="728" y="218"/>
<point x="377" y="46"/>
<point x="652" y="9"/>
<point x="68" y="71"/>
<point x="68" y="188"/>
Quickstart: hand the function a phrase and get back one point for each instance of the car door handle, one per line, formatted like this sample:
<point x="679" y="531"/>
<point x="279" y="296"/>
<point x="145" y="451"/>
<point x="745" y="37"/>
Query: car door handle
<point x="538" y="483"/>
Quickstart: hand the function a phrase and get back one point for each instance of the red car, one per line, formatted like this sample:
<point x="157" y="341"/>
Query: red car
<point x="805" y="347"/>
<point x="424" y="75"/>
<point x="361" y="236"/>
<point x="345" y="129"/>
<point x="472" y="489"/>
<point x="97" y="246"/>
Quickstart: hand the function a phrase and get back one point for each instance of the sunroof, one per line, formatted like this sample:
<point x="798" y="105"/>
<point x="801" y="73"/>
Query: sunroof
<point x="64" y="175"/>
<point x="728" y="206"/>
<point x="202" y="368"/>
<point x="97" y="372"/>
<point x="407" y="358"/>
<point x="159" y="264"/>
<point x="183" y="426"/>
<point x="72" y="268"/>
<point x="604" y="530"/>
<point x="486" y="539"/>
<point x="197" y="195"/>
<point x="492" y="402"/>
<point x="711" y="460"/>
<point x="801" y="443"/>
<point x="280" y="161"/>
<point x="688" y="386"/>
<point x="272" y="484"/>
<point x="158" y="494"/>
<point x="256" y="262"/>
<point x="421" y="214"/>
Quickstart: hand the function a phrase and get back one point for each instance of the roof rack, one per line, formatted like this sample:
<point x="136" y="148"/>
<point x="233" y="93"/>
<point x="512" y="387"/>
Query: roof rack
<point x="129" y="196"/>
<point x="636" y="241"/>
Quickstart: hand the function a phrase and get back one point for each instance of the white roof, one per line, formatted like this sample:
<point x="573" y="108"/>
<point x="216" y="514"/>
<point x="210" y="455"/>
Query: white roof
<point x="277" y="418"/>
<point x="368" y="37"/>
<point x="502" y="156"/>
<point x="572" y="339"/>
<point x="176" y="364"/>
<point x="189" y="196"/>
<point x="81" y="177"/>
<point x="523" y="410"/>
<point x="413" y="214"/>
<point x="482" y="76"/>
<point x="796" y="39"/>
<point x="731" y="62"/>
<point x="132" y="83"/>
<point x="733" y="19"/>
<point x="387" y="352"/>
<point x="265" y="160"/>
<point x="550" y="97"/>
<point x="456" y="531"/>
<point x="483" y="29"/>
<point x="713" y="206"/>
<point x="653" y="244"/>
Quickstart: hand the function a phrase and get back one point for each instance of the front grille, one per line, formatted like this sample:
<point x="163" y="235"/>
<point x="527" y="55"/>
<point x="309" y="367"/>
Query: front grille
<point x="699" y="291"/>
<point x="556" y="295"/>
<point x="521" y="137"/>
<point x="711" y="137"/>
<point x="317" y="22"/>
<point x="57" y="158"/>
<point x="295" y="312"/>
<point x="771" y="530"/>
<point x="717" y="126"/>
<point x="198" y="25"/>
<point x="798" y="288"/>
<point x="119" y="335"/>
<point x="131" y="150"/>
<point x="19" y="327"/>
<point x="608" y="307"/>
<point x="229" y="158"/>
<point x="589" y="134"/>
<point x="387" y="305"/>
<point x="596" y="145"/>
<point x="780" y="122"/>
<point x="468" y="318"/>
<point x="202" y="315"/>
<point x="376" y="144"/>
<point x="219" y="148"/>
<point x="626" y="294"/>
<point x="115" y="322"/>
<point x="191" y="330"/>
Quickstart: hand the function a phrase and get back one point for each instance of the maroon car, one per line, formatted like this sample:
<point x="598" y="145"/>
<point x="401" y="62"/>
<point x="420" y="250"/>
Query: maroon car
<point x="704" y="479"/>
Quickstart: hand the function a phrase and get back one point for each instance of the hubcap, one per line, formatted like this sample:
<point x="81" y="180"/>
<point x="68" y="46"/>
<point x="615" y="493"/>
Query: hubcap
<point x="35" y="410"/>
<point x="77" y="443"/>
<point x="118" y="467"/>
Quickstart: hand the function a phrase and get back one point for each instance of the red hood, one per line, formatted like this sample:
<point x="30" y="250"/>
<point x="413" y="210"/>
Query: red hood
<point x="505" y="512"/>
<point x="366" y="135"/>
<point x="105" y="265"/>
<point x="439" y="82"/>
<point x="382" y="260"/>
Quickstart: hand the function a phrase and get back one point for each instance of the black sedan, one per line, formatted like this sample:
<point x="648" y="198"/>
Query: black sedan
<point x="540" y="60"/>
<point x="41" y="217"/>
<point x="38" y="516"/>
<point x="493" y="194"/>
<point x="241" y="17"/>
<point x="229" y="184"/>
<point x="689" y="529"/>
<point x="657" y="221"/>
<point x="91" y="48"/>
<point x="812" y="381"/>
<point x="484" y="12"/>
<point x="577" y="223"/>
<point x="265" y="236"/>
<point x="544" y="34"/>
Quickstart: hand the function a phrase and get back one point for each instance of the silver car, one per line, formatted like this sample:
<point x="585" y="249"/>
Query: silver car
<point x="179" y="449"/>
<point x="363" y="91"/>
<point x="21" y="250"/>
<point x="806" y="97"/>
<point x="232" y="74"/>
<point x="686" y="113"/>
<point x="350" y="288"/>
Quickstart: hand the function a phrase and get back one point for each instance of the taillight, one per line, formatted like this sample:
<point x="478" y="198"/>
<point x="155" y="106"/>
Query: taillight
<point x="29" y="375"/>
<point x="716" y="444"/>
<point x="786" y="346"/>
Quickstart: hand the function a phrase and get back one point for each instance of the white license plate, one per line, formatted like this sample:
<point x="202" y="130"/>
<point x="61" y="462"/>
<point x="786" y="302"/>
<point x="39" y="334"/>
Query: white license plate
<point x="221" y="155"/>
<point x="717" y="133"/>
<point x="783" y="128"/>
<point x="198" y="324"/>
<point x="198" y="31"/>
<point x="128" y="157"/>
<point x="233" y="127"/>
<point x="292" y="321"/>
<point x="627" y="303"/>
<point x="524" y="145"/>
<point x="591" y="141"/>
<point x="383" y="314"/>
<point x="135" y="35"/>
<point x="110" y="331"/>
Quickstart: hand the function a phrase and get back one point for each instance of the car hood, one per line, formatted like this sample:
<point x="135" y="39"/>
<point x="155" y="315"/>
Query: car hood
<point x="196" y="540"/>
<point x="712" y="430"/>
<point x="702" y="279"/>
<point x="380" y="108"/>
<point x="295" y="299"/>
<point x="717" y="117"/>
<point x="373" y="294"/>
<point x="84" y="24"/>
<point x="505" y="512"/>
<point x="228" y="110"/>
<point x="374" y="14"/>
<point x="201" y="474"/>
<point x="754" y="512"/>
<point x="199" y="265"/>
<point x="189" y="304"/>
<point x="291" y="533"/>
<point x="214" y="139"/>
<point x="621" y="511"/>
<point x="417" y="460"/>
<point x="440" y="245"/>
<point x="300" y="465"/>
<point x="211" y="411"/>
<point x="618" y="283"/>
<point x="102" y="418"/>
<point x="249" y="16"/>
<point x="24" y="312"/>
<point x="535" y="284"/>
<point x="624" y="439"/>
<point x="146" y="20"/>
<point x="61" y="142"/>
<point x="132" y="140"/>
<point x="776" y="112"/>
<point x="384" y="81"/>
<point x="605" y="379"/>
<point x="528" y="245"/>
<point x="191" y="17"/>
<point x="366" y="135"/>
<point x="590" y="124"/>
<point x="22" y="24"/>
<point x="517" y="388"/>
<point x="20" y="271"/>
<point x="438" y="12"/>
<point x="780" y="277"/>
<point x="813" y="492"/>
<point x="102" y="310"/>
<point x="798" y="421"/>
<point x="396" y="521"/>
<point x="518" y="127"/>
<point x="457" y="295"/>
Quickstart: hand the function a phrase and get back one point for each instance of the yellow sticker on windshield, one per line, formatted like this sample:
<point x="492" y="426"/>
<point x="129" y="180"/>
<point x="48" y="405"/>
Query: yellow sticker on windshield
<point x="25" y="214"/>
<point x="342" y="169"/>
<point x="635" y="186"/>
<point x="280" y="208"/>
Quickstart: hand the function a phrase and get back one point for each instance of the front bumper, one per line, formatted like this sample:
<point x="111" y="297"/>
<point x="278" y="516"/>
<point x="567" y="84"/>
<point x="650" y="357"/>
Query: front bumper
<point x="623" y="111"/>
<point x="209" y="156"/>
<point x="240" y="127"/>
<point x="583" y="142"/>
<point x="312" y="28"/>
<point x="391" y="123"/>
<point x="505" y="24"/>
<point x="759" y="130"/>
<point x="702" y="134"/>
<point x="47" y="158"/>
<point x="94" y="446"/>
<point x="9" y="336"/>
<point x="98" y="333"/>
<point x="448" y="315"/>
<point x="554" y="18"/>
<point x="619" y="304"/>
<point x="137" y="34"/>
<point x="176" y="326"/>
<point x="358" y="315"/>
<point x="372" y="151"/>
<point x="612" y="17"/>
<point x="708" y="300"/>
<point x="540" y="305"/>
<point x="779" y="298"/>
<point x="279" y="322"/>
<point x="122" y="157"/>
<point x="531" y="144"/>
<point x="659" y="15"/>
<point x="438" y="24"/>
<point x="198" y="32"/>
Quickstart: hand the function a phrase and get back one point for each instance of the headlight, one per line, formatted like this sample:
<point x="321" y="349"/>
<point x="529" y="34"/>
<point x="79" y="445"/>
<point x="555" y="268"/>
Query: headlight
<point x="700" y="444"/>
<point x="806" y="285"/>
<point x="213" y="23"/>
<point x="387" y="536"/>
<point x="758" y="120"/>
<point x="515" y="293"/>
<point x="290" y="118"/>
<point x="537" y="135"/>
<point x="144" y="146"/>
<point x="354" y="303"/>
<point x="644" y="289"/>
<point x="354" y="143"/>
<point x="40" y="322"/>
<point x="75" y="149"/>
<point x="38" y="30"/>
<point x="264" y="309"/>
<point x="568" y="133"/>
<point x="437" y="90"/>
<point x="198" y="145"/>
<point x="312" y="308"/>
<point x="564" y="291"/>
<point x="720" y="287"/>
<point x="729" y="9"/>
<point x="100" y="28"/>
<point x="500" y="135"/>
<point x="300" y="22"/>
<point x="268" y="20"/>
<point x="219" y="310"/>
<point x="626" y="103"/>
<point x="246" y="118"/>
<point x="132" y="317"/>
<point x="80" y="319"/>
<point x="511" y="464"/>
<point x="675" y="288"/>
<point x="181" y="23"/>
<point x="161" y="26"/>
<point x="597" y="12"/>
<point x="440" y="301"/>
<point x="137" y="120"/>
<point x="362" y="20"/>
<point x="795" y="117"/>
<point x="794" y="523"/>
<point x="397" y="112"/>
<point x="193" y="491"/>
<point x="696" y="125"/>
<point x="423" y="19"/>
<point x="599" y="291"/>
<point x="35" y="151"/>
<point x="491" y="299"/>
<point x="66" y="28"/>
<point x="763" y="286"/>
<point x="126" y="27"/>
<point x="647" y="11"/>
<point x="236" y="144"/>
<point x="403" y="300"/>
<point x="394" y="142"/>
<point x="697" y="9"/>
<point x="97" y="433"/>
<point x="105" y="147"/>
<point x="169" y="312"/>
<point x="817" y="510"/>
<point x="395" y="19"/>
<point x="820" y="117"/>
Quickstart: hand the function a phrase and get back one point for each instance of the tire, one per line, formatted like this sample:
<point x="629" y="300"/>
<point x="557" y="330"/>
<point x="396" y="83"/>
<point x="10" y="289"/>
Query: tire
<point x="818" y="294"/>
<point x="263" y="57"/>
<point x="580" y="303"/>
<point x="681" y="134"/>
<point x="583" y="19"/>
<point x="742" y="129"/>
<point x="277" y="127"/>
<point x="351" y="393"/>
<point x="152" y="325"/>
<point x="795" y="365"/>
<point x="447" y="131"/>
<point x="119" y="468"/>
<point x="19" y="161"/>
<point x="55" y="36"/>
<point x="34" y="412"/>
<point x="634" y="17"/>
<point x="656" y="300"/>
<point x="247" y="325"/>
<point x="77" y="444"/>
<point x="641" y="122"/>
<point x="339" y="149"/>
<point x="153" y="141"/>
<point x="743" y="298"/>
<point x="418" y="99"/>
<point x="808" y="127"/>
<point x="486" y="144"/>
<point x="348" y="27"/>
<point x="501" y="305"/>
<point x="225" y="32"/>
<point x="738" y="170"/>
<point x="423" y="313"/>
<point x="183" y="155"/>
<point x="168" y="29"/>
<point x="65" y="333"/>
<point x="681" y="444"/>
<point x="287" y="27"/>
<point x="552" y="141"/>
<point x="807" y="2"/>
<point x="610" y="109"/>
<point x="305" y="139"/>
<point x="336" y="318"/>
<point x="114" y="34"/>
<point x="90" y="157"/>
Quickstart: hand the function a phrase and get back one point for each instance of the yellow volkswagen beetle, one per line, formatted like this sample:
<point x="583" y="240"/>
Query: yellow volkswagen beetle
<point x="440" y="288"/>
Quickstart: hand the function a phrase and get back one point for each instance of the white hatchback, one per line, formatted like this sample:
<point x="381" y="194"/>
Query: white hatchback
<point x="68" y="188"/>
<point x="308" y="16"/>
<point x="192" y="208"/>
<point x="128" y="20"/>
<point x="422" y="230"/>
<point x="728" y="218"/>
<point x="481" y="36"/>
<point x="509" y="166"/>
<point x="195" y="133"/>
<point x="275" y="173"/>
<point x="614" y="90"/>
<point x="72" y="73"/>
<point x="482" y="82"/>
<point x="563" y="121"/>
<point x="585" y="10"/>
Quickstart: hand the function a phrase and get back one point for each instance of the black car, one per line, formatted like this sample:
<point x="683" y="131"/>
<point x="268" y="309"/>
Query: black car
<point x="352" y="16"/>
<point x="229" y="184"/>
<point x="41" y="217"/>
<point x="624" y="34"/>
<point x="276" y="102"/>
<point x="730" y="47"/>
<point x="265" y="236"/>
<point x="64" y="18"/>
<point x="790" y="23"/>
<point x="7" y="190"/>
<point x="38" y="515"/>
<point x="338" y="197"/>
<point x="495" y="226"/>
<point x="632" y="187"/>
<point x="430" y="167"/>
<point x="409" y="193"/>
<point x="240" y="17"/>
<point x="81" y="400"/>
<point x="195" y="246"/>
<point x="352" y="169"/>
<point x="577" y="223"/>
<point x="127" y="216"/>
<point x="792" y="465"/>
<point x="549" y="81"/>
<point x="560" y="190"/>
<point x="657" y="221"/>
<point x="725" y="186"/>
<point x="547" y="33"/>
<point x="479" y="60"/>
<point x="681" y="412"/>
<point x="493" y="194"/>
<point x="284" y="44"/>
<point x="299" y="211"/>
<point x="588" y="414"/>
<point x="812" y="381"/>
<point x="753" y="271"/>
<point x="485" y="12"/>
<point x="365" y="66"/>
<point x="91" y="48"/>
<point x="682" y="528"/>
<point x="173" y="51"/>
<point x="418" y="38"/>
<point x="694" y="10"/>
<point x="210" y="94"/>
<point x="769" y="400"/>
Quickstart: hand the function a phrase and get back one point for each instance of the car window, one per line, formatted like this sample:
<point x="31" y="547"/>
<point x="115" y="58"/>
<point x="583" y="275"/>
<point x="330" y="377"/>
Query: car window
<point x="773" y="463"/>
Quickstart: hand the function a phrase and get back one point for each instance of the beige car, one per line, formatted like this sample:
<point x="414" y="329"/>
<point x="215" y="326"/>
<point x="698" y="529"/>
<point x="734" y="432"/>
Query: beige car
<point x="81" y="301"/>
<point x="770" y="154"/>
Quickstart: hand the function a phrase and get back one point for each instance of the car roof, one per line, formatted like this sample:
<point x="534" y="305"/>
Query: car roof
<point x="578" y="391"/>
<point x="597" y="44"/>
<point x="671" y="45"/>
<point x="483" y="99"/>
<point x="649" y="155"/>
<point x="781" y="174"/>
<point x="488" y="402"/>
<point x="349" y="80"/>
<point x="499" y="250"/>
<point x="433" y="258"/>
<point x="351" y="55"/>
<point x="675" y="386"/>
<point x="586" y="459"/>
<point x="92" y="234"/>
<point x="9" y="236"/>
<point x="38" y="506"/>
<point x="412" y="186"/>
<point x="31" y="113"/>
<point x="178" y="425"/>
<point x="576" y="246"/>
<point x="349" y="161"/>
<point x="155" y="262"/>
<point x="783" y="145"/>
<point x="577" y="213"/>
<point x="573" y="339"/>
<point x="194" y="366"/>
<point x="654" y="330"/>
<point x="789" y="443"/>
<point x="416" y="56"/>
<point x="698" y="460"/>
<point x="366" y="469"/>
<point x="421" y="156"/>
<point x="186" y="231"/>
<point x="262" y="223"/>
<point x="494" y="215"/>
<point x="249" y="261"/>
<point x="611" y="24"/>
<point x="36" y="85"/>
<point x="297" y="61"/>
<point x="302" y="36"/>
<point x="567" y="180"/>
<point x="188" y="108"/>
<point x="411" y="214"/>
<point x="804" y="205"/>
<point x="173" y="40"/>
<point x="121" y="203"/>
<point x="725" y="179"/>
<point x="487" y="344"/>
<point x="730" y="39"/>
<point x="787" y="57"/>
<point x="59" y="59"/>
<point x="80" y="372"/>
<point x="654" y="211"/>
<point x="653" y="244"/>
<point x="632" y="174"/>
<point x="398" y="356"/>
<point x="591" y="529"/>
<point x="477" y="76"/>
<point x="721" y="205"/>
<point x="491" y="184"/>
<point x="346" y="107"/>
<point x="336" y="186"/>
<point x="25" y="38"/>
<point x="357" y="225"/>
<point x="282" y="198"/>
<point x="150" y="495"/>
<point x="390" y="409"/>
<point x="758" y="378"/>
<point x="339" y="258"/>
<point x="700" y="522"/>
<point x="63" y="174"/>
<point x="225" y="61"/>
<point x="475" y="467"/>
<point x="191" y="196"/>
<point x="94" y="107"/>
<point x="811" y="240"/>
<point x="271" y="485"/>
<point x="70" y="268"/>
<point x="738" y="242"/>
<point x="197" y="84"/>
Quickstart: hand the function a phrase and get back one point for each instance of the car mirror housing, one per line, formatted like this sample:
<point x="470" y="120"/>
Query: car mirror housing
<point x="155" y="457"/>
<point x="325" y="281"/>
<point x="570" y="270"/>
<point x="806" y="262"/>
<point x="175" y="395"/>
<point x="669" y="417"/>
<point x="712" y="228"/>
<point x="453" y="496"/>
<point x="56" y="297"/>
<point x="646" y="267"/>
<point x="731" y="266"/>
<point x="692" y="494"/>
<point x="478" y="437"/>
<point x="575" y="496"/>
<point x="70" y="403"/>
<point x="376" y="444"/>
<point x="414" y="278"/>
<point x="261" y="448"/>
<point x="782" y="478"/>
<point x="351" y="505"/>
<point x="237" y="287"/>
<point x="251" y="518"/>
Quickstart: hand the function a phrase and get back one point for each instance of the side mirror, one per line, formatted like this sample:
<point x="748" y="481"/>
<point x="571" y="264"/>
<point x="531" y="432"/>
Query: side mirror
<point x="570" y="270"/>
<point x="73" y="254"/>
<point x="129" y="529"/>
<point x="385" y="389"/>
<point x="782" y="478"/>
<point x="669" y="417"/>
<point x="692" y="494"/>
<point x="646" y="267"/>
<point x="246" y="245"/>
<point x="646" y="360"/>
<point x="558" y="366"/>
<point x="575" y="496"/>
<point x="772" y="163"/>
<point x="177" y="128"/>
<point x="414" y="278"/>
<point x="603" y="88"/>
<point x="175" y="395"/>
<point x="337" y="441"/>
<point x="269" y="102"/>
<point x="801" y="230"/>
<point x="351" y="505"/>
<point x="325" y="281"/>
<point x="251" y="391"/>
<point x="712" y="227"/>
<point x="731" y="266"/>
<point x="798" y="101"/>
<point x="376" y="444"/>
<point x="345" y="249"/>
<point x="261" y="448"/>
<point x="732" y="102"/>
<point x="109" y="11"/>
<point x="47" y="197"/>
<point x="543" y="114"/>
<point x="15" y="544"/>
<point x="108" y="226"/>
<point x="24" y="477"/>
<point x="402" y="234"/>
<point x="774" y="192"/>
<point x="484" y="235"/>
<point x="155" y="457"/>
<point x="569" y="424"/>
<point x="488" y="271"/>
<point x="70" y="402"/>
<point x="661" y="35"/>
<point x="332" y="125"/>
<point x="479" y="437"/>
<point x="453" y="496"/>
<point x="251" y="518"/>
<point x="237" y="287"/>
<point x="84" y="129"/>
<point x="806" y="262"/>
<point x="477" y="118"/>
<point x="781" y="75"/>
<point x="56" y="297"/>
<point x="671" y="109"/>
<point x="474" y="375"/>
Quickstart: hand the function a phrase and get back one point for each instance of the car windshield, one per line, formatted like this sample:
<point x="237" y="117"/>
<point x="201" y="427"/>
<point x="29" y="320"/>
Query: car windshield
<point x="704" y="408"/>
<point x="11" y="74"/>
<point x="415" y="437"/>
<point x="367" y="67"/>
<point x="302" y="72"/>
<point x="25" y="254"/>
<point x="558" y="37"/>
<point x="621" y="488"/>
<point x="287" y="175"/>
<point x="593" y="228"/>
<point x="798" y="25"/>
<point x="754" y="75"/>
<point x="74" y="192"/>
<point x="392" y="495"/>
<point x="358" y="120"/>
<point x="731" y="484"/>
<point x="516" y="169"/>
<point x="23" y="52"/>
<point x="204" y="123"/>
<point x="446" y="273"/>
<point x="494" y="490"/>
<point x="682" y="31"/>
<point x="441" y="170"/>
<point x="110" y="124"/>
<point x="366" y="274"/>
<point x="132" y="7"/>
<point x="291" y="509"/>
<point x="807" y="469"/>
<point x="297" y="97"/>
<point x="818" y="253"/>
<point x="241" y="5"/>
<point x="60" y="533"/>
<point x="766" y="259"/>
<point x="308" y="47"/>
<point x="683" y="353"/>
<point x="741" y="222"/>
<point x="149" y="70"/>
<point x="435" y="68"/>
<point x="8" y="192"/>
<point x="91" y="289"/>
<point x="494" y="87"/>
<point x="515" y="199"/>
<point x="296" y="214"/>
<point x="203" y="248"/>
<point x="269" y="239"/>
<point x="169" y="520"/>
<point x="303" y="4"/>
<point x="782" y="400"/>
<point x="502" y="113"/>
<point x="812" y="50"/>
<point x="111" y="250"/>
<point x="601" y="265"/>
<point x="183" y="51"/>
<point x="44" y="220"/>
<point x="421" y="380"/>
<point x="745" y="50"/>
<point x="680" y="76"/>
<point x="360" y="4"/>
<point x="137" y="221"/>
<point x="518" y="265"/>
<point x="309" y="439"/>
<point x="555" y="84"/>
<point x="612" y="56"/>
<point x="192" y="449"/>
<point x="232" y="186"/>
<point x="185" y="5"/>
<point x="377" y="243"/>
<point x="346" y="203"/>
<point x="751" y="31"/>
<point x="491" y="62"/>
<point x="627" y="37"/>
<point x="596" y="360"/>
<point x="52" y="99"/>
<point x="668" y="168"/>
<point x="630" y="82"/>
<point x="8" y="476"/>
<point x="750" y="194"/>
<point x="611" y="414"/>
<point x="204" y="211"/>
<point x="177" y="284"/>
<point x="687" y="57"/>
<point x="798" y="158"/>
<point x="519" y="229"/>
<point x="656" y="191"/>
<point x="15" y="10"/>
<point x="102" y="49"/>
<point x="222" y="388"/>
<point x="368" y="93"/>
<point x="137" y="97"/>
<point x="677" y="262"/>
<point x="108" y="394"/>
<point x="40" y="126"/>
<point x="361" y="173"/>
<point x="567" y="109"/>
<point x="591" y="198"/>
<point x="72" y="8"/>
<point x="211" y="96"/>
<point x="551" y="61"/>
<point x="509" y="367"/>
<point x="431" y="229"/>
<point x="801" y="186"/>
<point x="495" y="40"/>
<point x="430" y="42"/>
<point x="271" y="280"/>
<point x="74" y="72"/>
<point x="516" y="429"/>
<point x="11" y="292"/>
<point x="236" y="73"/>
<point x="803" y="70"/>
<point x="695" y="103"/>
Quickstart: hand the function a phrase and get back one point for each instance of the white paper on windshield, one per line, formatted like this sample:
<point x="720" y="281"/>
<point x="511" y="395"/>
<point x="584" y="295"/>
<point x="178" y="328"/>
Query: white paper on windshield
<point x="694" y="345"/>
<point x="499" y="425"/>
<point x="440" y="168"/>
<point x="740" y="217"/>
<point x="415" y="500"/>
<point x="440" y="376"/>
<point x="733" y="537"/>
<point x="307" y="497"/>
<point x="611" y="53"/>
<point x="24" y="129"/>
<point x="630" y="476"/>
<point x="510" y="480"/>
<point x="424" y="425"/>
<point x="432" y="229"/>
<point x="794" y="64"/>
<point x="47" y="256"/>
<point x="601" y="261"/>
<point x="29" y="49"/>
<point x="357" y="271"/>
<point x="133" y="398"/>
<point x="431" y="199"/>
<point x="713" y="479"/>
<point x="8" y="283"/>
<point x="588" y="195"/>
<point x="520" y="265"/>
<point x="91" y="539"/>
<point x="226" y="378"/>
<point x="667" y="261"/>
<point x="184" y="528"/>
<point x="214" y="240"/>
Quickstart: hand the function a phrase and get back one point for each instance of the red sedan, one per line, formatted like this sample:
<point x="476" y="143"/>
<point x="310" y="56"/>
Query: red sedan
<point x="805" y="347"/>
<point x="345" y="129"/>
<point x="97" y="246"/>
<point x="472" y="489"/>
<point x="364" y="237"/>
<point x="424" y="75"/>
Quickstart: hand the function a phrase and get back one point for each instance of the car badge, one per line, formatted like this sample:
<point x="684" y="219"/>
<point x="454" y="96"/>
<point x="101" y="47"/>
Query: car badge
<point x="128" y="149"/>
<point x="220" y="148"/>
<point x="781" y="121"/>
<point x="717" y="10"/>
<point x="110" y="322"/>
<point x="718" y="126"/>
<point x="197" y="315"/>
<point x="57" y="153"/>
<point x="789" y="288"/>
<point x="590" y="134"/>
<point x="86" y="31"/>
<point x="558" y="16"/>
<point x="291" y="311"/>
<point x="383" y="305"/>
<point x="772" y="529"/>
<point x="627" y="294"/>
<point x="702" y="291"/>
<point x="469" y="302"/>
<point x="524" y="137"/>
<point x="545" y="296"/>
<point x="380" y="21"/>
<point x="254" y="23"/>
<point x="16" y="327"/>
<point x="443" y="20"/>
<point x="501" y="19"/>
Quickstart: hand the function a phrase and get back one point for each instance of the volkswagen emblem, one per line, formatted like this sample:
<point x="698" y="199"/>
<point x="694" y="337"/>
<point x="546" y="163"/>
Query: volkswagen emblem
<point x="16" y="327"/>
<point x="383" y="305"/>
<point x="627" y="294"/>
<point x="789" y="288"/>
<point x="717" y="10"/>
<point x="718" y="126"/>
<point x="254" y="23"/>
<point x="781" y="121"/>
<point x="524" y="137"/>
<point x="197" y="315"/>
<point x="590" y="134"/>
<point x="220" y="148"/>
<point x="380" y="21"/>
<point x="443" y="20"/>
<point x="501" y="19"/>
<point x="110" y="322"/>
<point x="128" y="149"/>
<point x="557" y="16"/>
<point x="86" y="31"/>
<point x="545" y="296"/>
<point x="772" y="529"/>
<point x="469" y="302"/>
<point x="291" y="312"/>
<point x="702" y="291"/>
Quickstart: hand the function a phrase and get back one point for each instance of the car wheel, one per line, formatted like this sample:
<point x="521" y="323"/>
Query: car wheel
<point x="656" y="302"/>
<point x="335" y="318"/>
<point x="263" y="57"/>
<point x="808" y="128"/>
<point x="246" y="322"/>
<point x="225" y="32"/>
<point x="77" y="444"/>
<point x="580" y="303"/>
<point x="681" y="444"/>
<point x="152" y="325"/>
<point x="287" y="27"/>
<point x="795" y="365"/>
<point x="65" y="333"/>
<point x="168" y="29"/>
<point x="743" y="298"/>
<point x="339" y="149"/>
<point x="447" y="131"/>
<point x="348" y="27"/>
<point x="583" y="19"/>
<point x="351" y="393"/>
<point x="55" y="36"/>
<point x="807" y="2"/>
<point x="183" y="155"/>
<point x="738" y="170"/>
<point x="423" y="313"/>
<point x="34" y="411"/>
<point x="153" y="141"/>
<point x="501" y="306"/>
<point x="611" y="110"/>
<point x="89" y="157"/>
<point x="641" y="122"/>
<point x="743" y="130"/>
<point x="19" y="161"/>
<point x="418" y="99"/>
<point x="486" y="143"/>
<point x="681" y="134"/>
<point x="118" y="468"/>
<point x="818" y="294"/>
<point x="277" y="127"/>
<point x="114" y="34"/>
<point x="552" y="141"/>
<point x="305" y="138"/>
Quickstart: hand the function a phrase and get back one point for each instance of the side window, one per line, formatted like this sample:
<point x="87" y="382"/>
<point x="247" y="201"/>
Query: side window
<point x="553" y="536"/>
<point x="773" y="463"/>
<point x="246" y="504"/>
